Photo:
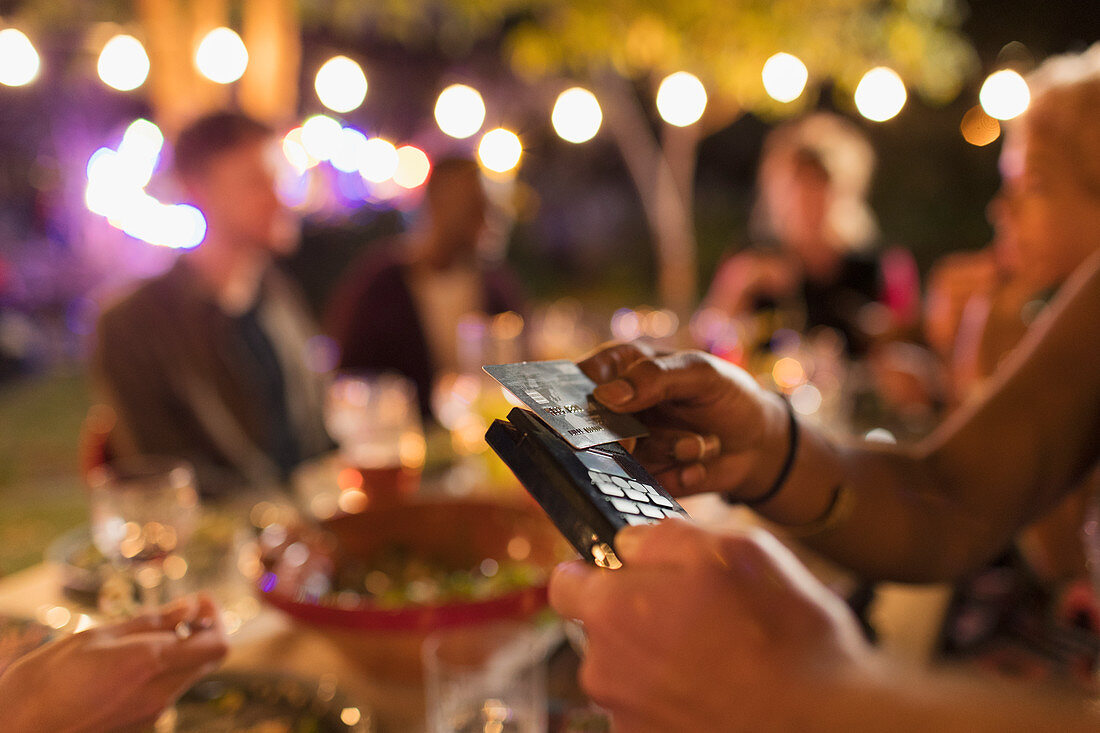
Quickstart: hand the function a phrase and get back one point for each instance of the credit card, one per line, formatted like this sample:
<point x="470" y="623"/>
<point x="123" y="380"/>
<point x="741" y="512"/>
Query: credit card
<point x="560" y="395"/>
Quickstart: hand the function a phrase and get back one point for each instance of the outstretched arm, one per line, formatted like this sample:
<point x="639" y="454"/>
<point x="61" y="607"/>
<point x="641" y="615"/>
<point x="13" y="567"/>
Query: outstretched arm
<point x="925" y="513"/>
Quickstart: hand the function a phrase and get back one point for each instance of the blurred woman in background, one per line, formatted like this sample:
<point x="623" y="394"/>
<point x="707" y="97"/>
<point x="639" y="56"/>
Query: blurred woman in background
<point x="815" y="238"/>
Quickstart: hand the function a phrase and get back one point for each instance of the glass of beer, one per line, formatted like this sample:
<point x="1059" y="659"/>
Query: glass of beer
<point x="375" y="421"/>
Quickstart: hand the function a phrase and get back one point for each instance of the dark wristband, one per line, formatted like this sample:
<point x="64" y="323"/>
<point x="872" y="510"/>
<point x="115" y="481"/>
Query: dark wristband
<point x="784" y="472"/>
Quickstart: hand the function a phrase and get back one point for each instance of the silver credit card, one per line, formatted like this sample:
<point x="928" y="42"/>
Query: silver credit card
<point x="560" y="394"/>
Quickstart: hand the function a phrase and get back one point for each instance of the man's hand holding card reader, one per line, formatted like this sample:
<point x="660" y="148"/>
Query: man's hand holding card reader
<point x="565" y="452"/>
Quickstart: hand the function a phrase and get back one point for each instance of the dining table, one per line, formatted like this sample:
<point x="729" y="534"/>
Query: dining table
<point x="906" y="619"/>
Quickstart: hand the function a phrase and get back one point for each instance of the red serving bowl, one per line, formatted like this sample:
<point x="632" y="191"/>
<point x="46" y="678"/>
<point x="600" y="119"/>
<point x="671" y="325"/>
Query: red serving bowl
<point x="387" y="640"/>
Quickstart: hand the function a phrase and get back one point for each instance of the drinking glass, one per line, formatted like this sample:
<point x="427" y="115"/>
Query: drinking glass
<point x="143" y="511"/>
<point x="375" y="421"/>
<point x="486" y="679"/>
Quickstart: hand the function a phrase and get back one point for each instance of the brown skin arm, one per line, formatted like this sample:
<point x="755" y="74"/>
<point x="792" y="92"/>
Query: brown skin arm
<point x="929" y="512"/>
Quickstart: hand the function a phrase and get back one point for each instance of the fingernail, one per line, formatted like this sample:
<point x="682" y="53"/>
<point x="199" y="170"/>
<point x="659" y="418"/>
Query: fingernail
<point x="693" y="475"/>
<point x="614" y="393"/>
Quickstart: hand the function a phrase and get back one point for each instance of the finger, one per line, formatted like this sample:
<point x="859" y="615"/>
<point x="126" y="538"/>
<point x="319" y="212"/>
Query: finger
<point x="667" y="446"/>
<point x="686" y="377"/>
<point x="167" y="617"/>
<point x="172" y="654"/>
<point x="609" y="361"/>
<point x="570" y="586"/>
<point x="671" y="542"/>
<point x="684" y="480"/>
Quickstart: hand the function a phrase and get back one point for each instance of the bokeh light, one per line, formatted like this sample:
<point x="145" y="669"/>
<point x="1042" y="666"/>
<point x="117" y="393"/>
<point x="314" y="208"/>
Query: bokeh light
<point x="577" y="115"/>
<point x="413" y="167"/>
<point x="1004" y="95"/>
<point x="788" y="373"/>
<point x="341" y="84"/>
<point x="123" y="63"/>
<point x="880" y="94"/>
<point x="978" y="128"/>
<point x="140" y="150"/>
<point x="294" y="150"/>
<point x="681" y="99"/>
<point x="222" y="56"/>
<point x="350" y="150"/>
<point x="460" y="111"/>
<point x="379" y="161"/>
<point x="321" y="136"/>
<point x="116" y="191"/>
<point x="500" y="150"/>
<point x="19" y="61"/>
<point x="784" y="77"/>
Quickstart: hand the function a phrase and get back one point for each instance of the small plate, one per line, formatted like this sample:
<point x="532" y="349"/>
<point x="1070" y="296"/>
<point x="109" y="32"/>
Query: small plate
<point x="272" y="702"/>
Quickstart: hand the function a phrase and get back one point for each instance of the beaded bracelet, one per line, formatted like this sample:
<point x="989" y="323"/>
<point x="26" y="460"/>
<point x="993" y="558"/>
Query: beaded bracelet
<point x="784" y="472"/>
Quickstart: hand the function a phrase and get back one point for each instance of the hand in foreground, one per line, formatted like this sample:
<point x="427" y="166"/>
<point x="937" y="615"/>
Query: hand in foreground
<point x="712" y="428"/>
<point x="114" y="677"/>
<point x="707" y="631"/>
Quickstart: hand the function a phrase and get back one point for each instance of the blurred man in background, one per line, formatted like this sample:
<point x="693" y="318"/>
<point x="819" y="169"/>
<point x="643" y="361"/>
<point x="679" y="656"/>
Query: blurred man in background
<point x="400" y="308"/>
<point x="208" y="362"/>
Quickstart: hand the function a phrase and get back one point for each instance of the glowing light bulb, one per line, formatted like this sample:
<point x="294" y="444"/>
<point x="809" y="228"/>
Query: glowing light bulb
<point x="341" y="84"/>
<point x="784" y="77"/>
<point x="19" y="61"/>
<point x="222" y="56"/>
<point x="460" y="111"/>
<point x="880" y="94"/>
<point x="413" y="167"/>
<point x="681" y="99"/>
<point x="123" y="63"/>
<point x="978" y="128"/>
<point x="379" y="161"/>
<point x="500" y="150"/>
<point x="139" y="151"/>
<point x="577" y="115"/>
<point x="349" y="152"/>
<point x="294" y="149"/>
<point x="320" y="136"/>
<point x="1004" y="95"/>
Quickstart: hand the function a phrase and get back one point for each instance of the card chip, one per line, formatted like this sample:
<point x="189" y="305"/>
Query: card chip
<point x="537" y="397"/>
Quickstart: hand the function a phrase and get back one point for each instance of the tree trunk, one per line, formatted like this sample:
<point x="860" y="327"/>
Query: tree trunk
<point x="269" y="88"/>
<point x="177" y="92"/>
<point x="663" y="175"/>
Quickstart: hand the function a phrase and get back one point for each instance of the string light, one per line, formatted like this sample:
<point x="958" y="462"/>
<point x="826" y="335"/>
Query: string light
<point x="123" y="63"/>
<point x="379" y="161"/>
<point x="320" y="136"/>
<point x="413" y="167"/>
<point x="576" y="116"/>
<point x="880" y="94"/>
<point x="341" y="84"/>
<point x="978" y="128"/>
<point x="222" y="56"/>
<point x="460" y="111"/>
<point x="1004" y="95"/>
<point x="500" y="150"/>
<point x="681" y="99"/>
<point x="19" y="62"/>
<point x="784" y="77"/>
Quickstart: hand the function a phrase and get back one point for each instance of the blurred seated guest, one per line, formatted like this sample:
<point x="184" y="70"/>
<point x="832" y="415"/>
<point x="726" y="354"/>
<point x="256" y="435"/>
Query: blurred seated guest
<point x="952" y="282"/>
<point x="1043" y="232"/>
<point x="208" y="362"/>
<point x="720" y="645"/>
<point x="115" y="677"/>
<point x="399" y="309"/>
<point x="815" y="237"/>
